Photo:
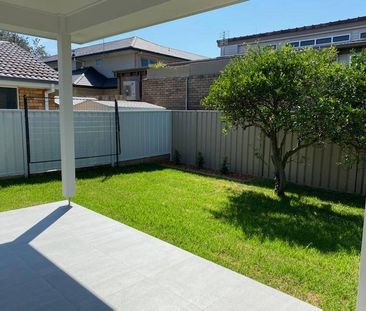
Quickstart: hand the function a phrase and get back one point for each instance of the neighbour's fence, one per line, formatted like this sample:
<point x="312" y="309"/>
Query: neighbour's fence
<point x="248" y="153"/>
<point x="143" y="134"/>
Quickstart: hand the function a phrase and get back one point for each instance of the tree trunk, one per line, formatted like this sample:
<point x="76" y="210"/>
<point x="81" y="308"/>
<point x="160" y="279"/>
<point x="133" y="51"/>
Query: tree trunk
<point x="280" y="180"/>
<point x="280" y="175"/>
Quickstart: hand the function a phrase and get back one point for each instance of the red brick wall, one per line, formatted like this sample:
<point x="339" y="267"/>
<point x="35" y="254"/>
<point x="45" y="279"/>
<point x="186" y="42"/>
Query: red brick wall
<point x="171" y="92"/>
<point x="36" y="100"/>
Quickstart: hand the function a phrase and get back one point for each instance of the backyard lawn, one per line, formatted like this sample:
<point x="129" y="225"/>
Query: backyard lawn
<point x="306" y="244"/>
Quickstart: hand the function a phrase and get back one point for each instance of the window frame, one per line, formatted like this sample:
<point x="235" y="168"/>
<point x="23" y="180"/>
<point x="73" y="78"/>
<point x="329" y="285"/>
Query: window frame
<point x="363" y="34"/>
<point x="294" y="44"/>
<point x="17" y="93"/>
<point x="307" y="40"/>
<point x="322" y="38"/>
<point x="344" y="35"/>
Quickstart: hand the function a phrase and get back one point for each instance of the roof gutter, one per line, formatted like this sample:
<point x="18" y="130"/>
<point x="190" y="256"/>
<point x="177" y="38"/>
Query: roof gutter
<point x="4" y="81"/>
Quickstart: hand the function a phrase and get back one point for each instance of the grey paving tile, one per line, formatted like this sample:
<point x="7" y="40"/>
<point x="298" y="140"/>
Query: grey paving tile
<point x="28" y="296"/>
<point x="73" y="291"/>
<point x="147" y="295"/>
<point x="60" y="304"/>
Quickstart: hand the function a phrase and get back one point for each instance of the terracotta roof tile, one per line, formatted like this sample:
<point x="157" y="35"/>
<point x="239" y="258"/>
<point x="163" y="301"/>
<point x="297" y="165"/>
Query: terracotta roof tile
<point x="18" y="63"/>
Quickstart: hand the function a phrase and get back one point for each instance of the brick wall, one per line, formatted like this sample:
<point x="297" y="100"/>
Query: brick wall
<point x="171" y="92"/>
<point x="36" y="99"/>
<point x="198" y="88"/>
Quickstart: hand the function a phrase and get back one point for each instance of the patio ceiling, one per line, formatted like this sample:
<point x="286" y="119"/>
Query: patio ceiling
<point x="88" y="20"/>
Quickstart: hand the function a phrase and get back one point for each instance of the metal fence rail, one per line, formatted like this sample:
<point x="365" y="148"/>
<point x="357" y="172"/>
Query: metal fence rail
<point x="248" y="153"/>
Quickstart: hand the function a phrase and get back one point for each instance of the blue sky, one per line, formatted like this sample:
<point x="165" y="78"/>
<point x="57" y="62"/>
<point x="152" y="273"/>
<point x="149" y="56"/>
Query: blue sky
<point x="198" y="34"/>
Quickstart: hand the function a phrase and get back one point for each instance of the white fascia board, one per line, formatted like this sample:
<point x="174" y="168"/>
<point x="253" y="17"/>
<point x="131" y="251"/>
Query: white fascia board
<point x="28" y="21"/>
<point x="27" y="84"/>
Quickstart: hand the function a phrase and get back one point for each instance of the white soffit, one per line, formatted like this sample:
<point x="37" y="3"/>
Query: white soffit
<point x="89" y="20"/>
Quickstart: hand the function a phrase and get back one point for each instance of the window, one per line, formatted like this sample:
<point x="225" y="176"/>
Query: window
<point x="307" y="43"/>
<point x="98" y="62"/>
<point x="294" y="44"/>
<point x="324" y="40"/>
<point x="363" y="35"/>
<point x="341" y="38"/>
<point x="241" y="49"/>
<point x="145" y="62"/>
<point x="8" y="98"/>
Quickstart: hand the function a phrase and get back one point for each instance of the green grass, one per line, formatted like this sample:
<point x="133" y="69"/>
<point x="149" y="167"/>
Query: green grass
<point x="306" y="244"/>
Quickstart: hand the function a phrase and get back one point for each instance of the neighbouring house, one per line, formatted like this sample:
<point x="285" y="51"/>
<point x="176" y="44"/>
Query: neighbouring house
<point x="182" y="85"/>
<point x="347" y="36"/>
<point x="23" y="74"/>
<point x="117" y="67"/>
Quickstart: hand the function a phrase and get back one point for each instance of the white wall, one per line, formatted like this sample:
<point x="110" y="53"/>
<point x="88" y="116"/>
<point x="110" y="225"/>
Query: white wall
<point x="110" y="62"/>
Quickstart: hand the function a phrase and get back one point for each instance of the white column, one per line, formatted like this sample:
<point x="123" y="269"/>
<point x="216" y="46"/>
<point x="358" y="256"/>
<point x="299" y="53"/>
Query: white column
<point x="66" y="111"/>
<point x="361" y="299"/>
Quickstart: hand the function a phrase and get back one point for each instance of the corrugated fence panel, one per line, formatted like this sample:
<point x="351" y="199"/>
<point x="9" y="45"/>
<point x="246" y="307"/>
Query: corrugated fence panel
<point x="185" y="136"/>
<point x="11" y="143"/>
<point x="249" y="153"/>
<point x="143" y="134"/>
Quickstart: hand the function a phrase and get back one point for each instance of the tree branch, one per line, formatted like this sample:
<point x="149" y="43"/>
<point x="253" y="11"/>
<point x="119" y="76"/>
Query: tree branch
<point x="299" y="146"/>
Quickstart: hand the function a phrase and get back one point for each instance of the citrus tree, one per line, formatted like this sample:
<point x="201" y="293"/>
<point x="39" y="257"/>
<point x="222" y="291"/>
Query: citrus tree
<point x="350" y="129"/>
<point x="280" y="92"/>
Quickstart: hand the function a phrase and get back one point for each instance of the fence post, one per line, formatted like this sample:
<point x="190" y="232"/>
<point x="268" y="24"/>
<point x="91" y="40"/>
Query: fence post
<point x="27" y="141"/>
<point x="117" y="131"/>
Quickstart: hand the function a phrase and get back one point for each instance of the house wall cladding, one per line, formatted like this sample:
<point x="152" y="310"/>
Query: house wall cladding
<point x="201" y="131"/>
<point x="144" y="134"/>
<point x="171" y="92"/>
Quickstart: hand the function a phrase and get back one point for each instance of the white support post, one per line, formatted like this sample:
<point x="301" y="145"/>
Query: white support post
<point x="66" y="111"/>
<point x="361" y="299"/>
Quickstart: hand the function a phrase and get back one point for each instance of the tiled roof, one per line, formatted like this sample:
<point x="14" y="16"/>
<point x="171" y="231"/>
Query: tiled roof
<point x="89" y="77"/>
<point x="130" y="43"/>
<point x="17" y="63"/>
<point x="295" y="30"/>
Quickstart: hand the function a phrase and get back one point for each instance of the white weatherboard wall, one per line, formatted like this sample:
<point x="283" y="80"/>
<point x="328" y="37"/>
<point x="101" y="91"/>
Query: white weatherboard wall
<point x="143" y="134"/>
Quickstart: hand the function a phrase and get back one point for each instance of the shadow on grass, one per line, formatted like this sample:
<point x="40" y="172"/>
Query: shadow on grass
<point x="88" y="173"/>
<point x="350" y="199"/>
<point x="291" y="219"/>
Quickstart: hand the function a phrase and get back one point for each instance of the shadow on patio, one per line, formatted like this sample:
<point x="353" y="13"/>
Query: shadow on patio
<point x="24" y="276"/>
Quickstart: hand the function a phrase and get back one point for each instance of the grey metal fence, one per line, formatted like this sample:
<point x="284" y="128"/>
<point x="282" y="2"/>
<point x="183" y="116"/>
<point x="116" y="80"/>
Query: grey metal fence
<point x="143" y="134"/>
<point x="248" y="153"/>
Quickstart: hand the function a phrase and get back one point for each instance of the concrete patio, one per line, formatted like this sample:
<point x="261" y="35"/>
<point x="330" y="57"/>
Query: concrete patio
<point x="53" y="257"/>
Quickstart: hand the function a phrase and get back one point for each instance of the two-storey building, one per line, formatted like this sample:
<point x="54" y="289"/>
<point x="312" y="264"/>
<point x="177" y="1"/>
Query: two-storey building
<point x="117" y="67"/>
<point x="346" y="35"/>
